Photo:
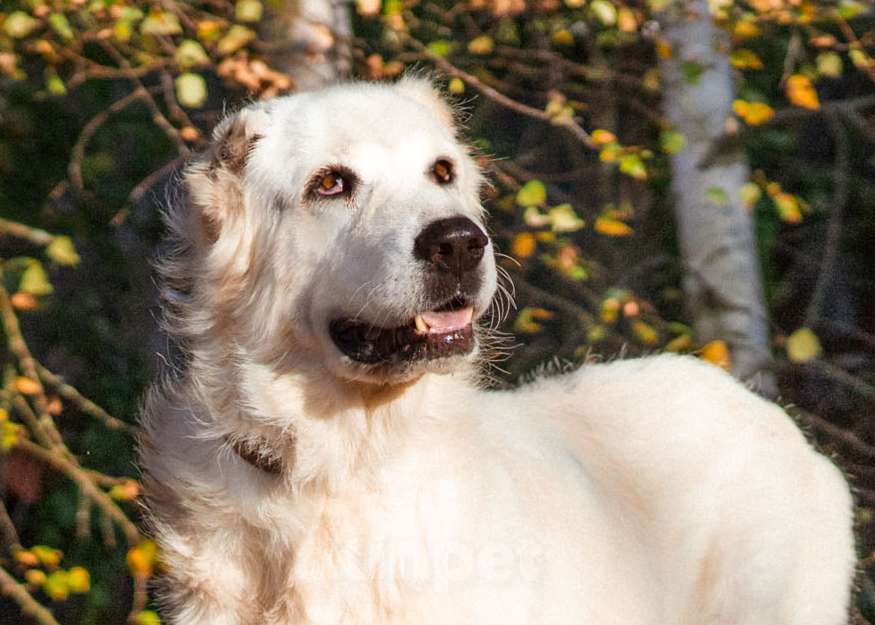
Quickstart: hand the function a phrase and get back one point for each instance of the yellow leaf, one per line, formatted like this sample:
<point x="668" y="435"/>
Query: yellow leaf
<point x="524" y="245"/>
<point x="456" y="86"/>
<point x="753" y="113"/>
<point x="126" y="491"/>
<point x="26" y="558"/>
<point x="645" y="333"/>
<point x="26" y="386"/>
<point x="746" y="29"/>
<point x="62" y="251"/>
<point x="801" y="92"/>
<point x="611" y="227"/>
<point x="481" y="45"/>
<point x="526" y="321"/>
<point x="10" y="435"/>
<point x="35" y="281"/>
<point x="141" y="559"/>
<point x="248" y="10"/>
<point x="626" y="20"/>
<point x="533" y="193"/>
<point x="56" y="587"/>
<point x="750" y="194"/>
<point x="563" y="37"/>
<point x="788" y="207"/>
<point x="717" y="353"/>
<point x="78" y="580"/>
<point x="664" y="49"/>
<point x="610" y="310"/>
<point x="603" y="137"/>
<point x="681" y="343"/>
<point x="743" y="58"/>
<point x="35" y="577"/>
<point x="803" y="346"/>
<point x="148" y="617"/>
<point x="47" y="556"/>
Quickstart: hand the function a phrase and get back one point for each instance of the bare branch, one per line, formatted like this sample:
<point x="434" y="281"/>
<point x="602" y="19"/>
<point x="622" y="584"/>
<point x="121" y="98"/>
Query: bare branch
<point x="10" y="587"/>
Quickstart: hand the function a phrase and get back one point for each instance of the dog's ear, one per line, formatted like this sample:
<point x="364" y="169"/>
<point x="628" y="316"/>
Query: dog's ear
<point x="423" y="91"/>
<point x="214" y="181"/>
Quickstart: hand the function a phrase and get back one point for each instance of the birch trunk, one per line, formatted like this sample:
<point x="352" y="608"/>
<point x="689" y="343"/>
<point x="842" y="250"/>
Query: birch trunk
<point x="722" y="277"/>
<point x="311" y="41"/>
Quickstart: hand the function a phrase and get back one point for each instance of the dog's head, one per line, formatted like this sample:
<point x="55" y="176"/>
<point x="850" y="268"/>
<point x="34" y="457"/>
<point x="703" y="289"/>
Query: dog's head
<point x="344" y="227"/>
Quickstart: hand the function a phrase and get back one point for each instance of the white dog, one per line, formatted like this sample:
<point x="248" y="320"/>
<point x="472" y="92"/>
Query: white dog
<point x="326" y="457"/>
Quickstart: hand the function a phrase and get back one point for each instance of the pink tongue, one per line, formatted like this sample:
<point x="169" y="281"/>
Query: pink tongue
<point x="447" y="321"/>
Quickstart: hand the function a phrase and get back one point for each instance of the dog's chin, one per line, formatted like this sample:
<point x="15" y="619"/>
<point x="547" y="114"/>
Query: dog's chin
<point x="437" y="341"/>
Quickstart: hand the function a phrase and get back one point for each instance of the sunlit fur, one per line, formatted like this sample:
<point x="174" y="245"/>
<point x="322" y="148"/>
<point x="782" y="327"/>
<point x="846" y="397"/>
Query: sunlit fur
<point x="655" y="491"/>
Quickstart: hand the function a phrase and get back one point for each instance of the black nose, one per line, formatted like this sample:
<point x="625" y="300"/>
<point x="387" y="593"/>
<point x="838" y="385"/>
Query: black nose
<point x="454" y="245"/>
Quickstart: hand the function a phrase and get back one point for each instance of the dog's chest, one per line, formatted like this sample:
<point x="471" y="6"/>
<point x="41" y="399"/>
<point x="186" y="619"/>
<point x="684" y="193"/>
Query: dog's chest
<point x="450" y="547"/>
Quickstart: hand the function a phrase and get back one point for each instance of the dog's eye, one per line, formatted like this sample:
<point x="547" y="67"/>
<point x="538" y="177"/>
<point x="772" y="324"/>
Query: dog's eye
<point x="330" y="184"/>
<point x="442" y="170"/>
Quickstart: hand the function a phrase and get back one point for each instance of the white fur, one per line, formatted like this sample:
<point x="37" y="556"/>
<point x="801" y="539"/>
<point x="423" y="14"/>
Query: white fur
<point x="654" y="491"/>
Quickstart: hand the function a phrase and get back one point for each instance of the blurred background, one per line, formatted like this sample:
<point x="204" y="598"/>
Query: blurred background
<point x="692" y="176"/>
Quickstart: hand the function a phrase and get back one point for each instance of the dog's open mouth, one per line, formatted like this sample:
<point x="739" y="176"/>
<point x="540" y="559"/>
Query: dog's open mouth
<point x="445" y="331"/>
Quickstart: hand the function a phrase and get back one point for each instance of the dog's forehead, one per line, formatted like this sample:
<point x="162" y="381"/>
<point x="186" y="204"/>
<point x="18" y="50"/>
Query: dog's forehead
<point x="363" y="121"/>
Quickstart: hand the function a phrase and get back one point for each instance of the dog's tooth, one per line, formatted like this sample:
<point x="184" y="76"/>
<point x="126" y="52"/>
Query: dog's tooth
<point x="421" y="325"/>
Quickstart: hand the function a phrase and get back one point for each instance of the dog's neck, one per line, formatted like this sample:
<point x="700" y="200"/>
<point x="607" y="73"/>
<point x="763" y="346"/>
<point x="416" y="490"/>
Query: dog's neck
<point x="308" y="426"/>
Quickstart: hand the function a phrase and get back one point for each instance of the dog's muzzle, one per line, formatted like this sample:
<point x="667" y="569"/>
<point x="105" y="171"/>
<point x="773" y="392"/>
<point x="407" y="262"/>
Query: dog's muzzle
<point x="451" y="251"/>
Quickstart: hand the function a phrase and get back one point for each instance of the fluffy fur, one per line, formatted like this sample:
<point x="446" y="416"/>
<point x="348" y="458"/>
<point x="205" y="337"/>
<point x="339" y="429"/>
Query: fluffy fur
<point x="654" y="491"/>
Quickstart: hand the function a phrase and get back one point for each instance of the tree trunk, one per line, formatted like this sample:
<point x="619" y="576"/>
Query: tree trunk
<point x="311" y="41"/>
<point x="722" y="277"/>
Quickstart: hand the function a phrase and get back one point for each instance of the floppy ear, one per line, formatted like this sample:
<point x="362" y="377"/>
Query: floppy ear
<point x="214" y="181"/>
<point x="423" y="91"/>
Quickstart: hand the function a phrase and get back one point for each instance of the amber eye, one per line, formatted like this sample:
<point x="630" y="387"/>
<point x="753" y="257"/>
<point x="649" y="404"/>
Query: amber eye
<point x="330" y="184"/>
<point x="443" y="171"/>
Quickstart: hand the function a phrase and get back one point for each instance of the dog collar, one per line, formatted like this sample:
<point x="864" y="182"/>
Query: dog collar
<point x="269" y="464"/>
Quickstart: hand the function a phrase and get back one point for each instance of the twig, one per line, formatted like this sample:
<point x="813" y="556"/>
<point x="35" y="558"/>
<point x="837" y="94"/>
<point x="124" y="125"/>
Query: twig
<point x="10" y="587"/>
<point x="7" y="528"/>
<point x="836" y="220"/>
<point x="18" y="346"/>
<point x="33" y="235"/>
<point x="848" y="438"/>
<point x="524" y="109"/>
<point x="84" y="404"/>
<point x="88" y="488"/>
<point x="836" y="374"/>
<point x="157" y="116"/>
<point x="74" y="169"/>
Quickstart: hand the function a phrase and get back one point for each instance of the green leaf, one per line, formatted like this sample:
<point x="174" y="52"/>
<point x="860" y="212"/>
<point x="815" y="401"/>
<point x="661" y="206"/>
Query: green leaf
<point x="849" y="9"/>
<point x="692" y="72"/>
<point x="34" y="280"/>
<point x="19" y="24"/>
<point x="440" y="47"/>
<point x="54" y="84"/>
<point x="829" y="64"/>
<point x="632" y="165"/>
<point x="533" y="193"/>
<point x="604" y="11"/>
<point x="62" y="251"/>
<point x="60" y="24"/>
<point x="672" y="141"/>
<point x="191" y="90"/>
<point x="717" y="195"/>
<point x="248" y="10"/>
<point x="190" y="54"/>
